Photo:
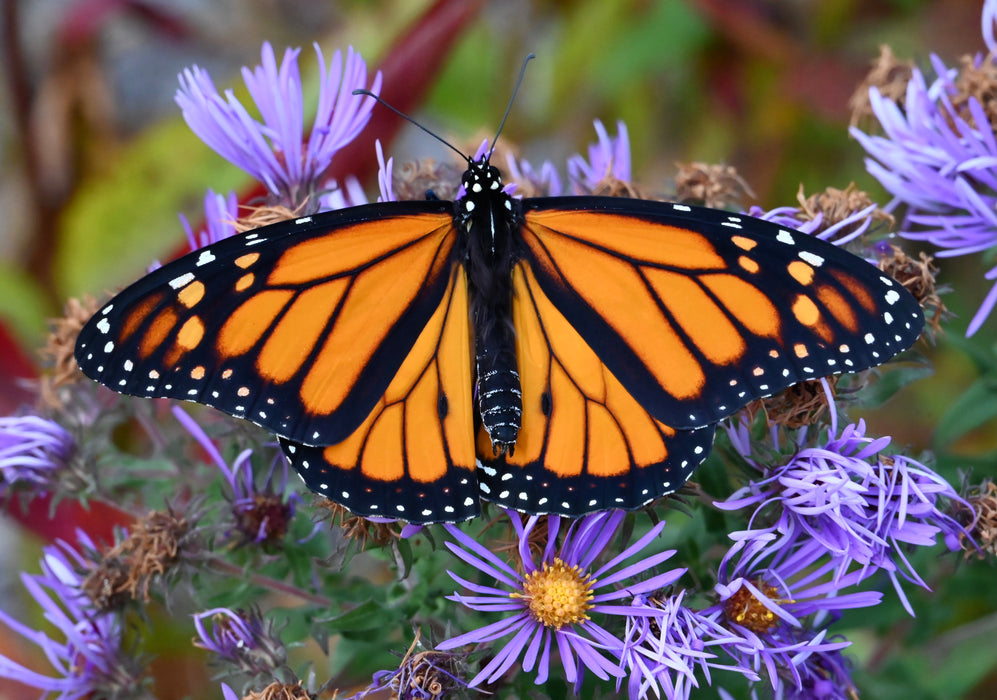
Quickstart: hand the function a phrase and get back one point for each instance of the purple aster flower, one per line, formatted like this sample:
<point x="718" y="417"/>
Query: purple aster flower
<point x="940" y="161"/>
<point x="33" y="450"/>
<point x="262" y="514"/>
<point x="89" y="662"/>
<point x="608" y="158"/>
<point x="545" y="182"/>
<point x="662" y="653"/>
<point x="220" y="214"/>
<point x="244" y="639"/>
<point x="550" y="603"/>
<point x="859" y="505"/>
<point x="351" y="194"/>
<point x="781" y="600"/>
<point x="275" y="150"/>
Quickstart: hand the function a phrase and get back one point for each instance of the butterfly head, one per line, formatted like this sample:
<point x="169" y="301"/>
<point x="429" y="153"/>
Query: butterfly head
<point x="481" y="178"/>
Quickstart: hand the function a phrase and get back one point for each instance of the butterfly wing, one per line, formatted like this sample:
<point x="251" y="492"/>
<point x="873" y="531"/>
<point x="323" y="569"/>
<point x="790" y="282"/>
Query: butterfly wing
<point x="299" y="327"/>
<point x="585" y="443"/>
<point x="413" y="457"/>
<point x="697" y="312"/>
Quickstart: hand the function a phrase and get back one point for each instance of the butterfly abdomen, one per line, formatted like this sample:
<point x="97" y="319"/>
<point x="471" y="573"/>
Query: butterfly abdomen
<point x="500" y="399"/>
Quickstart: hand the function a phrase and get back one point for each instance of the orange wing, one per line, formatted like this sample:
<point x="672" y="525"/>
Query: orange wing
<point x="585" y="443"/>
<point x="299" y="327"/>
<point x="413" y="456"/>
<point x="697" y="311"/>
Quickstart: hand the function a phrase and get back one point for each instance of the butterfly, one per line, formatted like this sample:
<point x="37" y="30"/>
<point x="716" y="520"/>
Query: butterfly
<point x="551" y="355"/>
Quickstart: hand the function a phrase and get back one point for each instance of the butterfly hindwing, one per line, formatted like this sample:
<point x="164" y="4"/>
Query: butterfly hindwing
<point x="413" y="456"/>
<point x="299" y="326"/>
<point x="698" y="311"/>
<point x="585" y="443"/>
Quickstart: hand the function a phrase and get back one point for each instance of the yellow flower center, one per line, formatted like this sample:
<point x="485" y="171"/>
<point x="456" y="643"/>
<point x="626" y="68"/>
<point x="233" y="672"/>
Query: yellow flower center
<point x="746" y="610"/>
<point x="558" y="594"/>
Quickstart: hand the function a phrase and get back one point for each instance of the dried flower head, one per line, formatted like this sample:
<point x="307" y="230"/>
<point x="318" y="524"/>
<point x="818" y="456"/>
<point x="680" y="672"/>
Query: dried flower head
<point x="126" y="571"/>
<point x="803" y="403"/>
<point x="918" y="276"/>
<point x="976" y="80"/>
<point x="833" y="207"/>
<point x="416" y="178"/>
<point x="58" y="350"/>
<point x="274" y="691"/>
<point x="422" y="675"/>
<point x="982" y="520"/>
<point x="255" y="217"/>
<point x="889" y="75"/>
<point x="365" y="532"/>
<point x="718" y="186"/>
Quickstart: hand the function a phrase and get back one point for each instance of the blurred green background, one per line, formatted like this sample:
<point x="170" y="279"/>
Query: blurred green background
<point x="96" y="163"/>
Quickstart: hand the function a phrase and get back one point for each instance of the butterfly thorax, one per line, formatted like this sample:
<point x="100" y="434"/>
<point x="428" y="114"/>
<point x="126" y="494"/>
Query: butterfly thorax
<point x="489" y="219"/>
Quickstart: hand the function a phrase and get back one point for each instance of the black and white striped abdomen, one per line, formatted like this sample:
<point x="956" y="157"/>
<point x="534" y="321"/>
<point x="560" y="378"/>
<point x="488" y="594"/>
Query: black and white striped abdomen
<point x="500" y="399"/>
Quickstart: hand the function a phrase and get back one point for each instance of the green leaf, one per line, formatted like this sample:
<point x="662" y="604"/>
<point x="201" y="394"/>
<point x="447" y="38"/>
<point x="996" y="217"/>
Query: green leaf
<point x="22" y="304"/>
<point x="368" y="615"/>
<point x="973" y="408"/>
<point x="121" y="220"/>
<point x="893" y="377"/>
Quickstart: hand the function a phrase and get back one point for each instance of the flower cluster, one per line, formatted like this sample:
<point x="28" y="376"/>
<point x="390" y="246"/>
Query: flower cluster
<point x="275" y="150"/>
<point x="90" y="660"/>
<point x="938" y="156"/>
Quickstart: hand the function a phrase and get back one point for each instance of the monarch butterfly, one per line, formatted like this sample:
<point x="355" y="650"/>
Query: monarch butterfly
<point x="601" y="338"/>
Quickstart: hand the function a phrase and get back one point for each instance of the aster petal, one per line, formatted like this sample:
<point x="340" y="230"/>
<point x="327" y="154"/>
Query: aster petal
<point x="489" y="632"/>
<point x="480" y="588"/>
<point x="485" y="559"/>
<point x="642" y="565"/>
<point x="508" y="655"/>
<point x="533" y="650"/>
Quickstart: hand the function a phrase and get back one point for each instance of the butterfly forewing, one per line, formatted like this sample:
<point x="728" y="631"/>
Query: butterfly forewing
<point x="299" y="327"/>
<point x="698" y="312"/>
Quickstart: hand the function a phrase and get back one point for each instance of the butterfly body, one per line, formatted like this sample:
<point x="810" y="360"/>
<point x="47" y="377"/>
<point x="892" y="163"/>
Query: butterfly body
<point x="489" y="221"/>
<point x="557" y="355"/>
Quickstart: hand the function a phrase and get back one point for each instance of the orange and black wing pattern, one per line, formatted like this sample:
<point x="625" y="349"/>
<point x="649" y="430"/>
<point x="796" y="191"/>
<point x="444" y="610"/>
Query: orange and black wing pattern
<point x="413" y="456"/>
<point x="697" y="311"/>
<point x="300" y="327"/>
<point x="585" y="443"/>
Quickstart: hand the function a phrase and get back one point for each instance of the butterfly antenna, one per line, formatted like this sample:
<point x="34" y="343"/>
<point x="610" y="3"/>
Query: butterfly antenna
<point x="515" y="90"/>
<point x="412" y="121"/>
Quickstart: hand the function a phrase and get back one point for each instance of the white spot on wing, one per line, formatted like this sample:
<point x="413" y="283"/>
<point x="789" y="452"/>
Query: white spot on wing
<point x="811" y="258"/>
<point x="182" y="281"/>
